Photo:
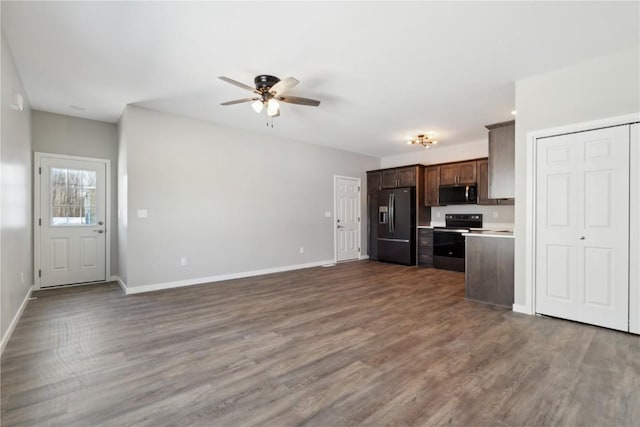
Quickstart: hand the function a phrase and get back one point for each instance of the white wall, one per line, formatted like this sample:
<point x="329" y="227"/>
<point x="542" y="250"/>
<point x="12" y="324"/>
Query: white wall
<point x="604" y="87"/>
<point x="440" y="153"/>
<point x="59" y="134"/>
<point x="230" y="201"/>
<point x="16" y="251"/>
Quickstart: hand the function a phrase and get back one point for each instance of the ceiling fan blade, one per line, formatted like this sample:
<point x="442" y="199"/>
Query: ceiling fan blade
<point x="239" y="101"/>
<point x="298" y="100"/>
<point x="283" y="86"/>
<point x="237" y="83"/>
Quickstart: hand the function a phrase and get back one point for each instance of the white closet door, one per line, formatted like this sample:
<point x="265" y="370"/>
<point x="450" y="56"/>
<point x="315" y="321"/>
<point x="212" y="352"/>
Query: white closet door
<point x="582" y="233"/>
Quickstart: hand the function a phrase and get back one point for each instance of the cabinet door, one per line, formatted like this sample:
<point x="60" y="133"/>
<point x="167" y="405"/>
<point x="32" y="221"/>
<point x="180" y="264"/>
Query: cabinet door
<point x="502" y="160"/>
<point x="389" y="178"/>
<point x="483" y="183"/>
<point x="449" y="174"/>
<point x="425" y="247"/>
<point x="467" y="173"/>
<point x="374" y="182"/>
<point x="431" y="185"/>
<point x="406" y="177"/>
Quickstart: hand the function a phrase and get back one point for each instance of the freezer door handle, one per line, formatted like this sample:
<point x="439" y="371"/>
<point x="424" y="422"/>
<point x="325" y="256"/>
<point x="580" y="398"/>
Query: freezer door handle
<point x="384" y="239"/>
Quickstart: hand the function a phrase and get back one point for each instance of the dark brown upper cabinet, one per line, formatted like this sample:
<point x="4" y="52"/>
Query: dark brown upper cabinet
<point x="458" y="173"/>
<point x="399" y="177"/>
<point x="374" y="182"/>
<point x="431" y="185"/>
<point x="502" y="149"/>
<point x="483" y="186"/>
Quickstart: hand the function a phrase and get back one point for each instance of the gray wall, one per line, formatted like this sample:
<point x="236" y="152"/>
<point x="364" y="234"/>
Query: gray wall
<point x="230" y="201"/>
<point x="59" y="134"/>
<point x="16" y="247"/>
<point x="122" y="199"/>
<point x="604" y="87"/>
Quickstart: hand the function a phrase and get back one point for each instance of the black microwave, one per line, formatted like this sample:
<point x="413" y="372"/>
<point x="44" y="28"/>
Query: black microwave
<point x="458" y="194"/>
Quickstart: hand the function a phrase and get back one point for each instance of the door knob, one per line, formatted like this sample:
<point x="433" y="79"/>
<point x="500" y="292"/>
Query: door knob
<point x="340" y="226"/>
<point x="99" y="231"/>
<point x="581" y="237"/>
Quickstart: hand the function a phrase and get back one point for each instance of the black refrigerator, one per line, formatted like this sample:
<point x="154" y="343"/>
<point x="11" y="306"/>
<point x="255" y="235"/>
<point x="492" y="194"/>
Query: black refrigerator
<point x="397" y="225"/>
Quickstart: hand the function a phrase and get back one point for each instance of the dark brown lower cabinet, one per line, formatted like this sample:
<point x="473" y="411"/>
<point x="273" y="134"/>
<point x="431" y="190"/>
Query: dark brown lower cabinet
<point x="489" y="270"/>
<point x="425" y="247"/>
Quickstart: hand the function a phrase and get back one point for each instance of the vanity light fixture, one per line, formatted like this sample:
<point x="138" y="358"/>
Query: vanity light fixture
<point x="425" y="140"/>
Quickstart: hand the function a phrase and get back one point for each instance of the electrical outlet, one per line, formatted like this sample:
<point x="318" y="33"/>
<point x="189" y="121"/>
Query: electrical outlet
<point x="495" y="214"/>
<point x="437" y="214"/>
<point x="22" y="278"/>
<point x="142" y="213"/>
<point x="183" y="261"/>
<point x="301" y="249"/>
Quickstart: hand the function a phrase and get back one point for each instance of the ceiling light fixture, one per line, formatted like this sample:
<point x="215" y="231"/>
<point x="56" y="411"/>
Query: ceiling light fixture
<point x="425" y="140"/>
<point x="258" y="106"/>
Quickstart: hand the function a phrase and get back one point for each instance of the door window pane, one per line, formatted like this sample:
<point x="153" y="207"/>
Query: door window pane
<point x="73" y="197"/>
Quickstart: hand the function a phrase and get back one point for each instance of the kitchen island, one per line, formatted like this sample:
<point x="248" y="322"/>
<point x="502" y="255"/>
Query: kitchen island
<point x="489" y="267"/>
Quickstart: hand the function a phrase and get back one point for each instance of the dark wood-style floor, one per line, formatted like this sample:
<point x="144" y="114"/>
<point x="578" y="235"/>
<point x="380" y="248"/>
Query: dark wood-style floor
<point x="361" y="343"/>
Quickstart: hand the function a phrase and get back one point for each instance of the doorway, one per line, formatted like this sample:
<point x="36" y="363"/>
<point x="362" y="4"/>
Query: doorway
<point x="347" y="218"/>
<point x="71" y="220"/>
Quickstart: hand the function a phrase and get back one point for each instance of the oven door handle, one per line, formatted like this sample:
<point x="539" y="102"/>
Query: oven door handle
<point x="466" y="194"/>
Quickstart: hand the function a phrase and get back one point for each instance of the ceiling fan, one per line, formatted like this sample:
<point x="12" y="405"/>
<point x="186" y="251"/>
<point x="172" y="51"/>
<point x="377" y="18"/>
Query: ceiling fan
<point x="269" y="91"/>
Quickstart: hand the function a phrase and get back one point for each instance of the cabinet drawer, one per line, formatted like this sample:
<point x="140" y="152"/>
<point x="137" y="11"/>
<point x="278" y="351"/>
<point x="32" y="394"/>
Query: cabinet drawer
<point x="425" y="232"/>
<point x="425" y="260"/>
<point x="425" y="242"/>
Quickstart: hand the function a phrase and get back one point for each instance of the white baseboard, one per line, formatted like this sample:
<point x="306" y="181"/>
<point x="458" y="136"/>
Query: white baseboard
<point x="14" y="322"/>
<point x="524" y="309"/>
<point x="363" y="257"/>
<point x="200" y="280"/>
<point x="120" y="282"/>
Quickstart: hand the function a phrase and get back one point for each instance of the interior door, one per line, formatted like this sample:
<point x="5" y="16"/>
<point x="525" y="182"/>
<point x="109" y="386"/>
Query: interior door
<point x="347" y="218"/>
<point x="582" y="227"/>
<point x="71" y="221"/>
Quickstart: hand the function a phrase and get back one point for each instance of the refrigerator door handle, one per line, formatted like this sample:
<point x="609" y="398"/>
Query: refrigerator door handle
<point x="392" y="213"/>
<point x="389" y="214"/>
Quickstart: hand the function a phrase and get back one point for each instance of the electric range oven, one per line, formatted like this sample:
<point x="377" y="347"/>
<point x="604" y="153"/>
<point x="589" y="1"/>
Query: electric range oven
<point x="449" y="242"/>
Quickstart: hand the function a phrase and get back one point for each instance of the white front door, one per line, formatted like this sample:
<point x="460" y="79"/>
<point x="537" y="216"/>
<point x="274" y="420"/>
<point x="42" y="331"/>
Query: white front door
<point x="70" y="220"/>
<point x="347" y="217"/>
<point x="582" y="227"/>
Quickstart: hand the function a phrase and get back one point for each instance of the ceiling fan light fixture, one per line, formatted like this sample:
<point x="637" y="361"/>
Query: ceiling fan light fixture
<point x="273" y="108"/>
<point x="270" y="91"/>
<point x="257" y="106"/>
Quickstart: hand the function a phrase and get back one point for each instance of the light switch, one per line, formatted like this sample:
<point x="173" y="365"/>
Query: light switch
<point x="327" y="214"/>
<point x="142" y="213"/>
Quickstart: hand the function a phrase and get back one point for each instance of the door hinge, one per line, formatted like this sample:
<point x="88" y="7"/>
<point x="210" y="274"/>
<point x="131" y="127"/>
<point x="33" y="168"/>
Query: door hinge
<point x="358" y="188"/>
<point x="358" y="219"/>
<point x="39" y="273"/>
<point x="40" y="171"/>
<point x="40" y="221"/>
